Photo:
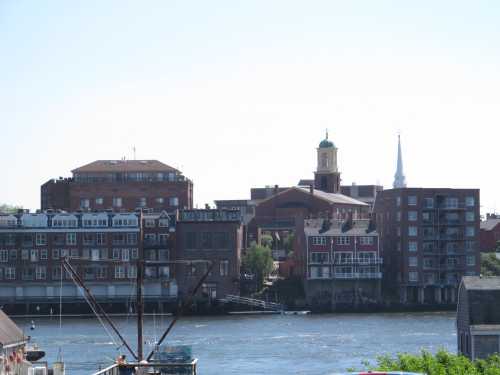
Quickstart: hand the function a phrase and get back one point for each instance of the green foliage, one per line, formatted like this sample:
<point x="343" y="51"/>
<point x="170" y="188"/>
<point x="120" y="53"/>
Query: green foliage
<point x="267" y="240"/>
<point x="259" y="261"/>
<point x="442" y="363"/>
<point x="490" y="264"/>
<point x="9" y="209"/>
<point x="288" y="243"/>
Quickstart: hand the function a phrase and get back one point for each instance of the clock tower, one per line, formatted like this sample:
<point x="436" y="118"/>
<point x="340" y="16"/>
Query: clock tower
<point x="327" y="176"/>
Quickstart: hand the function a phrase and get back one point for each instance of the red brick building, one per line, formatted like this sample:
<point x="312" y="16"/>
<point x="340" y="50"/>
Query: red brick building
<point x="120" y="185"/>
<point x="489" y="234"/>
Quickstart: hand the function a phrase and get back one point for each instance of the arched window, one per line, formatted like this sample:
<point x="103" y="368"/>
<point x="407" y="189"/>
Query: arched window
<point x="324" y="160"/>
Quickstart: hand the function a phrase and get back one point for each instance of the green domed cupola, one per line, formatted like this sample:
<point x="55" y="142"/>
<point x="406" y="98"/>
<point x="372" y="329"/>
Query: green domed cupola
<point x="326" y="143"/>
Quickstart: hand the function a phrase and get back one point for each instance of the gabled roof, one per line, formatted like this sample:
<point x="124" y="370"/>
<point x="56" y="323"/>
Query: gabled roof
<point x="359" y="227"/>
<point x="332" y="197"/>
<point x="489" y="224"/>
<point x="10" y="333"/>
<point x="481" y="283"/>
<point x="102" y="166"/>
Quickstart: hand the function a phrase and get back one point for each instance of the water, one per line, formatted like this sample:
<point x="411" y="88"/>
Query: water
<point x="312" y="344"/>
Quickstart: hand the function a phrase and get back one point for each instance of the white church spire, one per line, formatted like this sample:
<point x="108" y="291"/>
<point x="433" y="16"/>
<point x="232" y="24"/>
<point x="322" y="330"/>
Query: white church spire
<point x="399" y="177"/>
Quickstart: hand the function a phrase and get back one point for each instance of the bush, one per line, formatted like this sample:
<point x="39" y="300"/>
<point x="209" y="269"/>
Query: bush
<point x="442" y="363"/>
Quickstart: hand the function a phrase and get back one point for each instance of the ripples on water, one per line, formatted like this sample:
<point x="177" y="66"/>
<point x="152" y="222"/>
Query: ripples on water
<point x="306" y="345"/>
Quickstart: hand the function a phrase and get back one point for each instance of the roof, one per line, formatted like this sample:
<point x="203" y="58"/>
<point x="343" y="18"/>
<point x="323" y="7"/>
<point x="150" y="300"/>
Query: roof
<point x="481" y="283"/>
<point x="10" y="333"/>
<point x="360" y="227"/>
<point x="100" y="166"/>
<point x="305" y="182"/>
<point x="325" y="143"/>
<point x="489" y="224"/>
<point x="485" y="327"/>
<point x="332" y="197"/>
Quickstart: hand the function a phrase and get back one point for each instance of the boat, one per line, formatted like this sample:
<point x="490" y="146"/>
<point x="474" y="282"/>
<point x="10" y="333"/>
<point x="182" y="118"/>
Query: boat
<point x="163" y="359"/>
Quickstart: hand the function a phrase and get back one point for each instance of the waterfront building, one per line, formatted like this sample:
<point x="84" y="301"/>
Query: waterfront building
<point x="119" y="185"/>
<point x="489" y="235"/>
<point x="478" y="317"/>
<point x="102" y="246"/>
<point x="429" y="240"/>
<point x="343" y="262"/>
<point x="204" y="237"/>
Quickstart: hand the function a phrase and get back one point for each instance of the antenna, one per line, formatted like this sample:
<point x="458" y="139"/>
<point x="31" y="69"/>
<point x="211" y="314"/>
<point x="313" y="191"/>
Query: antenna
<point x="133" y="149"/>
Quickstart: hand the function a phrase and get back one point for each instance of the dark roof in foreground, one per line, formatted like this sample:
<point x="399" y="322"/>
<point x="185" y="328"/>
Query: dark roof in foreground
<point x="10" y="333"/>
<point x="481" y="283"/>
<point x="99" y="166"/>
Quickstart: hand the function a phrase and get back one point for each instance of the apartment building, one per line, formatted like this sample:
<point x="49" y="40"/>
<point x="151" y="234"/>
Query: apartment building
<point x="343" y="262"/>
<point x="429" y="240"/>
<point x="120" y="185"/>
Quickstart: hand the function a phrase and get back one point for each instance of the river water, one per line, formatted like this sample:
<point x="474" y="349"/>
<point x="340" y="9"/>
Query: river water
<point x="274" y="344"/>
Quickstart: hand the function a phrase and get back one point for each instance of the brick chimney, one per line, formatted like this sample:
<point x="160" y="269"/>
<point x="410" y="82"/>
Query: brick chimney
<point x="311" y="189"/>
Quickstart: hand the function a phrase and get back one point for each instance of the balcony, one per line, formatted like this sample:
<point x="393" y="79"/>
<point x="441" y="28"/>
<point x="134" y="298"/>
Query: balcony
<point x="358" y="261"/>
<point x="357" y="275"/>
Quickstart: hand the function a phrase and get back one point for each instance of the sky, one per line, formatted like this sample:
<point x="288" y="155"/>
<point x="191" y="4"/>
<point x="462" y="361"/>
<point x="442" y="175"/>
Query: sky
<point x="238" y="94"/>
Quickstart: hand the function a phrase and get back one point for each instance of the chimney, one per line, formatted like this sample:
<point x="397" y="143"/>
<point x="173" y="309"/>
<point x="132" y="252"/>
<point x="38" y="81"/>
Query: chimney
<point x="276" y="189"/>
<point x="311" y="189"/>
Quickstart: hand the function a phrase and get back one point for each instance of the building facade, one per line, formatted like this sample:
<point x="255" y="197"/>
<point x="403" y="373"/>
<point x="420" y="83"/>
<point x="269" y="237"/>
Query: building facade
<point x="343" y="262"/>
<point x="490" y="233"/>
<point x="209" y="237"/>
<point x="429" y="240"/>
<point x="120" y="185"/>
<point x="103" y="247"/>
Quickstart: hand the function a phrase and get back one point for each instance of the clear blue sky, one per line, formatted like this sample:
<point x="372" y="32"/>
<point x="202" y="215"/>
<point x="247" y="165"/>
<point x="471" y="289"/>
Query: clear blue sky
<point x="238" y="93"/>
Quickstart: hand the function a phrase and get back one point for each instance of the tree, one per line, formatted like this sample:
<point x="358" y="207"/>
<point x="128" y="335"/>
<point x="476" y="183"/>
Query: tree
<point x="490" y="264"/>
<point x="267" y="240"/>
<point x="259" y="261"/>
<point x="9" y="209"/>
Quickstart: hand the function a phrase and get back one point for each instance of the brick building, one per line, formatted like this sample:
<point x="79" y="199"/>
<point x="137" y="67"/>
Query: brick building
<point x="489" y="235"/>
<point x="102" y="246"/>
<point x="429" y="240"/>
<point x="120" y="185"/>
<point x="204" y="236"/>
<point x="343" y="262"/>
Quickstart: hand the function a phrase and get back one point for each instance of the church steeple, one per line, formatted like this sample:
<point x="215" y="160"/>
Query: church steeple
<point x="399" y="177"/>
<point x="327" y="176"/>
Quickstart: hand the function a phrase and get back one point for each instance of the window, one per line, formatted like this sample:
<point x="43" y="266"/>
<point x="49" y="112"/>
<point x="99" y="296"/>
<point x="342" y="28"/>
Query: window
<point x="398" y="216"/>
<point x="10" y="273"/>
<point x="102" y="272"/>
<point x="319" y="257"/>
<point x="134" y="253"/>
<point x="413" y="261"/>
<point x="64" y="253"/>
<point x="412" y="231"/>
<point x="43" y="254"/>
<point x="451" y="202"/>
<point x="428" y="202"/>
<point x="469" y="216"/>
<point x="470" y="245"/>
<point x="471" y="260"/>
<point x="412" y="200"/>
<point x="119" y="272"/>
<point x="398" y="231"/>
<point x="470" y="231"/>
<point x="150" y="239"/>
<point x="131" y="238"/>
<point x="319" y="240"/>
<point x="163" y="223"/>
<point x="99" y="201"/>
<point x="84" y="203"/>
<point x="163" y="255"/>
<point x="142" y="202"/>
<point x="119" y="238"/>
<point x="116" y="254"/>
<point x="163" y="239"/>
<point x="224" y="267"/>
<point x="469" y="201"/>
<point x="27" y="240"/>
<point x="70" y="238"/>
<point x="74" y="253"/>
<point x="41" y="272"/>
<point x="159" y="200"/>
<point x="28" y="273"/>
<point x="164" y="272"/>
<point x="10" y="240"/>
<point x="117" y="202"/>
<point x="100" y="238"/>
<point x="34" y="255"/>
<point x="13" y="255"/>
<point x="413" y="276"/>
<point x="150" y="254"/>
<point x="366" y="257"/>
<point x="343" y="257"/>
<point x="398" y="201"/>
<point x="412" y="246"/>
<point x="4" y="256"/>
<point x="132" y="272"/>
<point x="41" y="239"/>
<point x="428" y="263"/>
<point x="174" y="201"/>
<point x="125" y="255"/>
<point x="343" y="240"/>
<point x="206" y="240"/>
<point x="55" y="253"/>
<point x="59" y="239"/>
<point x="149" y="223"/>
<point x="412" y="215"/>
<point x="366" y="240"/>
<point x="88" y="238"/>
